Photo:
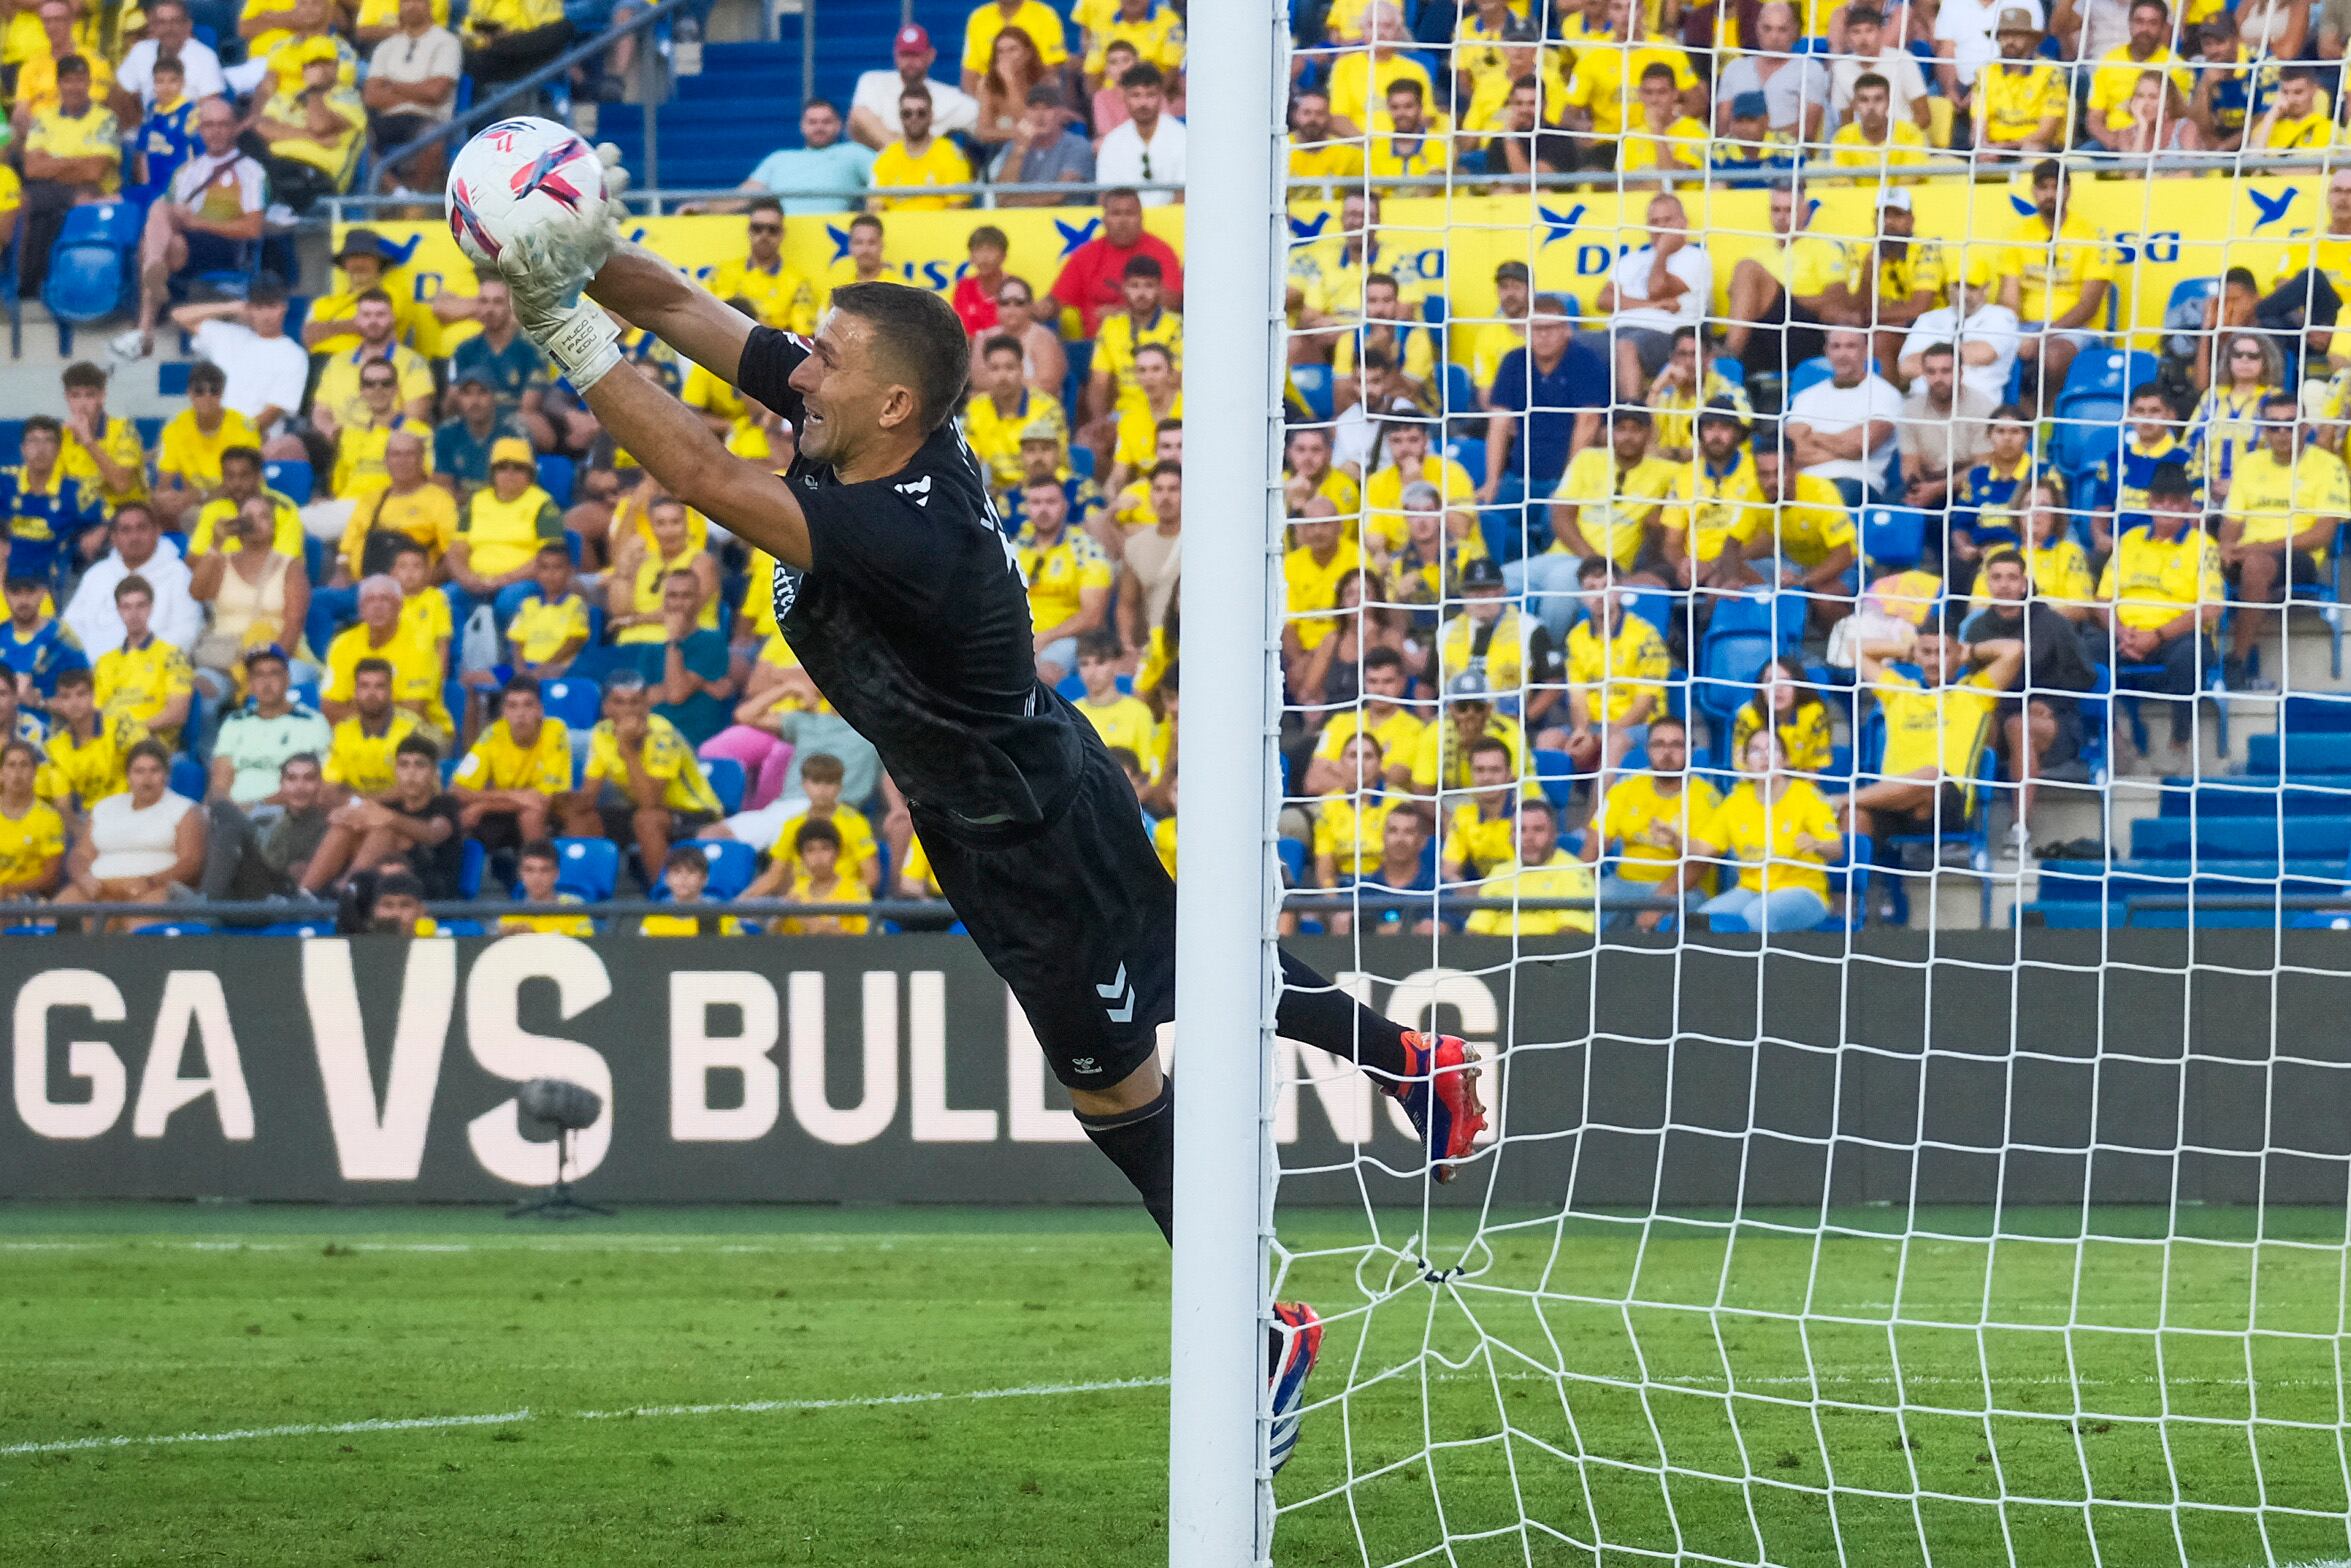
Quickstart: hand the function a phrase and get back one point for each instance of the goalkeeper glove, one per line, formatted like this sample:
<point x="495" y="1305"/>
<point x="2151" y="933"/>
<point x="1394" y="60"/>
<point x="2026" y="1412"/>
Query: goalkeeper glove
<point x="545" y="281"/>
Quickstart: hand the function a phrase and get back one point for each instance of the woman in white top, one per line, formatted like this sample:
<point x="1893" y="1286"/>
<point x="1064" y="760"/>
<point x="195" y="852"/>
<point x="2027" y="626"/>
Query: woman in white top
<point x="139" y="844"/>
<point x="257" y="596"/>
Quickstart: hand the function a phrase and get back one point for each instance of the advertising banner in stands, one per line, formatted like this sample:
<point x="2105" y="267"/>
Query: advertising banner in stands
<point x="896" y="1070"/>
<point x="1571" y="238"/>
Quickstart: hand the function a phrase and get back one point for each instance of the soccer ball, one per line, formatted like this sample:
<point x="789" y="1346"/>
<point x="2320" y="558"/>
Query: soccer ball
<point x="524" y="173"/>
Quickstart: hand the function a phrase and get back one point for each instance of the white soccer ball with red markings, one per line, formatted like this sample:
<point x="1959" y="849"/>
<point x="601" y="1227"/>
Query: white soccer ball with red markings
<point x="519" y="176"/>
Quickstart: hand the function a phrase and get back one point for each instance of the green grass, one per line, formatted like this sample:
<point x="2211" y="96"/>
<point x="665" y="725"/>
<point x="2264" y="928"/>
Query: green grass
<point x="1689" y="1429"/>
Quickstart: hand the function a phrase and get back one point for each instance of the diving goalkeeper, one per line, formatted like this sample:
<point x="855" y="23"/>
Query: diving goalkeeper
<point x="900" y="594"/>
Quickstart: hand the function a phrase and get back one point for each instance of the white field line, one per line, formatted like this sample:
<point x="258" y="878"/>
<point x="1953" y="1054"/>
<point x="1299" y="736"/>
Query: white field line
<point x="753" y="1407"/>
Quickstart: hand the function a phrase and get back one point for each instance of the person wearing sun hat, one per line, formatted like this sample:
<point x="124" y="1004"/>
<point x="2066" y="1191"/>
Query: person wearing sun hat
<point x="499" y="533"/>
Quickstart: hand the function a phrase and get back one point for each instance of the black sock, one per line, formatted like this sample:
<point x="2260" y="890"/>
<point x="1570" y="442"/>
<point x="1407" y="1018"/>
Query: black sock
<point x="1141" y="1142"/>
<point x="1327" y="1018"/>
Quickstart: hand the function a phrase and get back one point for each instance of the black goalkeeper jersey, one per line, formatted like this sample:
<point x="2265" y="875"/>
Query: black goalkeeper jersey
<point x="913" y="620"/>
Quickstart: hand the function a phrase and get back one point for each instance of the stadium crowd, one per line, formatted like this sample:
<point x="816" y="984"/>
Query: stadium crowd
<point x="1684" y="604"/>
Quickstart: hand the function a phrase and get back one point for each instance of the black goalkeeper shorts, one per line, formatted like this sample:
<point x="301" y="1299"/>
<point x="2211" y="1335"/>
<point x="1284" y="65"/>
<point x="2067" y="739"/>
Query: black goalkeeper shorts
<point x="1079" y="918"/>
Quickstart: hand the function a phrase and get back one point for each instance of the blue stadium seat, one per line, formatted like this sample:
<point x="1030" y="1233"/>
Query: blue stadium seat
<point x="556" y="476"/>
<point x="1729" y="663"/>
<point x="1654" y="605"/>
<point x="732" y="865"/>
<point x="1081" y="461"/>
<point x="2108" y="372"/>
<point x="176" y="928"/>
<point x="85" y="283"/>
<point x="293" y="480"/>
<point x="1314" y="385"/>
<point x="726" y="782"/>
<point x="319" y="927"/>
<point x="1893" y="538"/>
<point x="1293" y="858"/>
<point x="1461" y="395"/>
<point x="578" y="703"/>
<point x="187" y="777"/>
<point x="1555" y="773"/>
<point x="1808" y="374"/>
<point x="1470" y="453"/>
<point x="471" y="862"/>
<point x="589" y="867"/>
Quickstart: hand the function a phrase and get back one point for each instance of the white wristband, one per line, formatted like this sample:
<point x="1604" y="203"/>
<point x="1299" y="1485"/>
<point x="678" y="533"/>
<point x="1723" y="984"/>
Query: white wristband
<point x="583" y="345"/>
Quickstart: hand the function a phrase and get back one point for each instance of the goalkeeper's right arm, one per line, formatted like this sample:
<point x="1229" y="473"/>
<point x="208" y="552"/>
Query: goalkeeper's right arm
<point x="647" y="292"/>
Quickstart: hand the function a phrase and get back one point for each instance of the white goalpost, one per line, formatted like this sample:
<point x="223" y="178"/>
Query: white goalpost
<point x="2013" y="1229"/>
<point x="1227" y="884"/>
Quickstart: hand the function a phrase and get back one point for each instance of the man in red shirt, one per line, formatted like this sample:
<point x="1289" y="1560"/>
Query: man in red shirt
<point x="1091" y="281"/>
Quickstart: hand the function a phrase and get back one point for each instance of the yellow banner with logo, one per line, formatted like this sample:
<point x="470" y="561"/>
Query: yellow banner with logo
<point x="2162" y="232"/>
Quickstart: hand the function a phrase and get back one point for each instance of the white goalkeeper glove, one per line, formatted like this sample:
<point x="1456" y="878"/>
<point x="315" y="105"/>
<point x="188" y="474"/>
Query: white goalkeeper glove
<point x="546" y="270"/>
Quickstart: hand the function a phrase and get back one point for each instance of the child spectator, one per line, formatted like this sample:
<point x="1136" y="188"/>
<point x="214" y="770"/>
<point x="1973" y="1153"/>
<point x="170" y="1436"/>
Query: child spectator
<point x="424" y="614"/>
<point x="1120" y="720"/>
<point x="684" y="876"/>
<point x="817" y="848"/>
<point x="855" y="849"/>
<point x="535" y="872"/>
<point x="550" y="625"/>
<point x="102" y="453"/>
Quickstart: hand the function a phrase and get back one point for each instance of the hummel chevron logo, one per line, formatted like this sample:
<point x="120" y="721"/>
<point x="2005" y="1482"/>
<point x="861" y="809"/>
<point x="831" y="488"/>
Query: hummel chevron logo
<point x="920" y="489"/>
<point x="1119" y="991"/>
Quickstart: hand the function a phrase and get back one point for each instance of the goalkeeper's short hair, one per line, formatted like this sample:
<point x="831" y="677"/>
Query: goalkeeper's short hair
<point x="922" y="339"/>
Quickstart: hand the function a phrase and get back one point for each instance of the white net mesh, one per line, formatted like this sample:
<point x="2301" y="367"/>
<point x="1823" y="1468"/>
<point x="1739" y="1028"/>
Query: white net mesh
<point x="1941" y="1152"/>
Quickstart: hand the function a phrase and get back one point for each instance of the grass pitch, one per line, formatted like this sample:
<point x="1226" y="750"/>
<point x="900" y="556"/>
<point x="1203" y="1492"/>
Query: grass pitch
<point x="439" y="1387"/>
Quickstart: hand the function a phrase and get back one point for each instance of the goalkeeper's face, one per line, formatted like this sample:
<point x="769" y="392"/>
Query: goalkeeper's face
<point x="848" y="392"/>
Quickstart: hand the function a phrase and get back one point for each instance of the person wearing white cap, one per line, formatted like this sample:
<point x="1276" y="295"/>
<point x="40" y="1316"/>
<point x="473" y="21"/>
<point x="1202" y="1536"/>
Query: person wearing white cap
<point x="1901" y="277"/>
<point x="873" y="106"/>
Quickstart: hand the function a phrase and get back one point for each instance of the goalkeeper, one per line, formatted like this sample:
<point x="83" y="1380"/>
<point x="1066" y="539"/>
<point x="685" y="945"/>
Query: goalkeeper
<point x="900" y="595"/>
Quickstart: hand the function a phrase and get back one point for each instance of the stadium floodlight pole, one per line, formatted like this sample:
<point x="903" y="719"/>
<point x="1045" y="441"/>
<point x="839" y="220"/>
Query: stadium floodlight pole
<point x="1219" y="1514"/>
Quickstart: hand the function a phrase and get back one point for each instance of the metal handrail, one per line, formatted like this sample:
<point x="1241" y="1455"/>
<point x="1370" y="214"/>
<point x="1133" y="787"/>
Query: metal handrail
<point x="497" y="104"/>
<point x="656" y="199"/>
<point x="250" y="912"/>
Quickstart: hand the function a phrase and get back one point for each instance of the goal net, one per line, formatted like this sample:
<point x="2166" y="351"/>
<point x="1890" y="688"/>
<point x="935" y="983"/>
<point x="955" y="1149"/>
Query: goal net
<point x="1938" y="1153"/>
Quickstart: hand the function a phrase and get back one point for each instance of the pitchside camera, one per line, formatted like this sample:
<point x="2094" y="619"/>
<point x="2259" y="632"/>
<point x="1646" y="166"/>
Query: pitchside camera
<point x="564" y="1109"/>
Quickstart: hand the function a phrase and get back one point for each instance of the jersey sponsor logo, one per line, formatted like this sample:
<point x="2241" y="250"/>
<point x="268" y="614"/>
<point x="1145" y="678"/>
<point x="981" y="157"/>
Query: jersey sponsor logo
<point x="786" y="590"/>
<point x="919" y="489"/>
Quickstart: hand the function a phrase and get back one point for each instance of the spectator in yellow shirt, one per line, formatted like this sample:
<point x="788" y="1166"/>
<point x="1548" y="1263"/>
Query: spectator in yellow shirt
<point x="499" y="535"/>
<point x="1617" y="667"/>
<point x="1541" y="870"/>
<point x="2115" y="77"/>
<point x="508" y="784"/>
<point x="1033" y="17"/>
<point x="1647" y="818"/>
<point x="779" y="296"/>
<point x="2020" y="104"/>
<point x="685" y="876"/>
<point x="2163" y="592"/>
<point x="2286" y="503"/>
<point x="1662" y="136"/>
<point x="1120" y="719"/>
<point x="1604" y="88"/>
<point x="642" y="780"/>
<point x="1937" y="726"/>
<point x="1415" y="142"/>
<point x="1069" y="580"/>
<point x="417" y="674"/>
<point x="2298" y="121"/>
<point x="32" y="834"/>
<point x="188" y="457"/>
<point x="1315" y="154"/>
<point x="818" y="848"/>
<point x="1873" y="138"/>
<point x="1779" y="832"/>
<point x="918" y="158"/>
<point x="2058" y="276"/>
<point x="1319" y="559"/>
<point x="536" y="869"/>
<point x="362" y="442"/>
<point x="72" y="155"/>
<point x="146" y="681"/>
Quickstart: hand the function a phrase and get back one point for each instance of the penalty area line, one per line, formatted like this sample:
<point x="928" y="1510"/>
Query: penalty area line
<point x="744" y="1407"/>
